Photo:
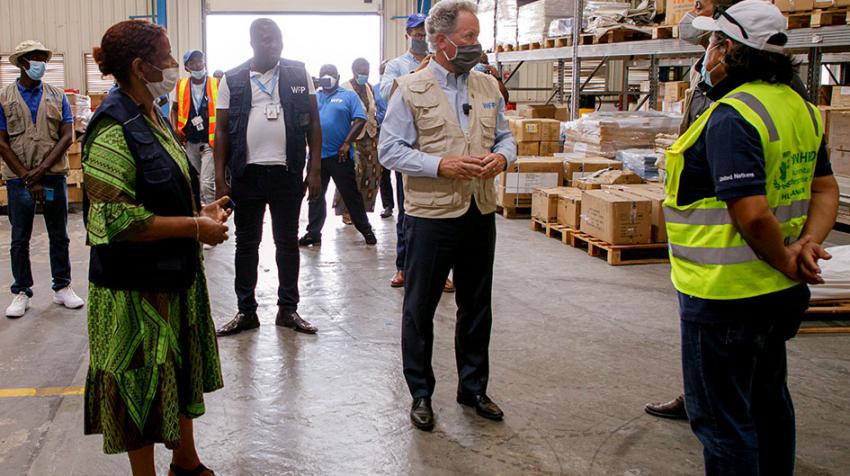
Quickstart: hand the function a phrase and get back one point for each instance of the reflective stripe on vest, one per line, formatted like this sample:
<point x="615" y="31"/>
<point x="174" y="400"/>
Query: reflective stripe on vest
<point x="709" y="256"/>
<point x="184" y="102"/>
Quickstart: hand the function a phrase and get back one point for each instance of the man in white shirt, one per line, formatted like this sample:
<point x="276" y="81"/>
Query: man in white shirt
<point x="267" y="114"/>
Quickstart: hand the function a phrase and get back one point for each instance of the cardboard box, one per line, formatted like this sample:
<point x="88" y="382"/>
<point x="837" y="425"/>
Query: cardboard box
<point x="675" y="10"/>
<point x="616" y="218"/>
<point x="550" y="130"/>
<point x="562" y="112"/>
<point x="526" y="130"/>
<point x="96" y="99"/>
<point x="75" y="194"/>
<point x="527" y="148"/>
<point x="608" y="177"/>
<point x="675" y="90"/>
<point x="75" y="161"/>
<point x="526" y="175"/>
<point x="549" y="149"/>
<point x="75" y="177"/>
<point x="576" y="164"/>
<point x="4" y="196"/>
<point x="840" y="96"/>
<point x="677" y="107"/>
<point x="540" y="111"/>
<point x="544" y="204"/>
<point x="569" y="208"/>
<point x="655" y="193"/>
<point x="794" y="5"/>
<point x="838" y="129"/>
<point x="76" y="148"/>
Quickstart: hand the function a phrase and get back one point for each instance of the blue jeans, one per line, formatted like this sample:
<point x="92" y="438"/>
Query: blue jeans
<point x="736" y="395"/>
<point x="21" y="216"/>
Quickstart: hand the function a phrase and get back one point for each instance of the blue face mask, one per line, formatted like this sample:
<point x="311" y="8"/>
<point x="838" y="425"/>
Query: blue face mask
<point x="362" y="79"/>
<point x="481" y="68"/>
<point x="705" y="73"/>
<point x="36" y="70"/>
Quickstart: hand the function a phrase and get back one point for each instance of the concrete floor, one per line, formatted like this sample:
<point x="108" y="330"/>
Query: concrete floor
<point x="578" y="347"/>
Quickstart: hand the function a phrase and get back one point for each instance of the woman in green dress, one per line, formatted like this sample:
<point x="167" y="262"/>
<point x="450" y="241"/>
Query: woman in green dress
<point x="151" y="336"/>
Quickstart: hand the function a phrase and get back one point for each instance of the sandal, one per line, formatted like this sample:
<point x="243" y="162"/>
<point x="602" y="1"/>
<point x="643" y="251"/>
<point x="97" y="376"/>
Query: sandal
<point x="198" y="471"/>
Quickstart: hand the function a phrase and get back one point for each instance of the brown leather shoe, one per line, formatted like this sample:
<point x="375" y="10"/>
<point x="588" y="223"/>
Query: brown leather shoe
<point x="398" y="280"/>
<point x="674" y="409"/>
<point x="242" y="322"/>
<point x="449" y="286"/>
<point x="293" y="321"/>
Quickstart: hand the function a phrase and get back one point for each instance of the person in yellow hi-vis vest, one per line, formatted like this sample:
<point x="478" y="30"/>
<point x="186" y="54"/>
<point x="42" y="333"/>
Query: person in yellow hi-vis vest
<point x="193" y="117"/>
<point x="750" y="199"/>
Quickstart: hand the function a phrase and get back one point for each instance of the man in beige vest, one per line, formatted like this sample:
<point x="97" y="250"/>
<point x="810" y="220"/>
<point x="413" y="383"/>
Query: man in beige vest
<point x="445" y="131"/>
<point x="36" y="129"/>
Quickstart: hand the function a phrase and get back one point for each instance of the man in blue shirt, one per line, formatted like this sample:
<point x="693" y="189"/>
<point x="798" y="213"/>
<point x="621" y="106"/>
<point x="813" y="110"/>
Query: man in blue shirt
<point x="387" y="199"/>
<point x="36" y="129"/>
<point x="342" y="117"/>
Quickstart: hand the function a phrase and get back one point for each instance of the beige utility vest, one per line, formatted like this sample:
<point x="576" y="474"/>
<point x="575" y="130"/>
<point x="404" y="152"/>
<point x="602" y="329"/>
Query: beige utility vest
<point x="32" y="142"/>
<point x="440" y="134"/>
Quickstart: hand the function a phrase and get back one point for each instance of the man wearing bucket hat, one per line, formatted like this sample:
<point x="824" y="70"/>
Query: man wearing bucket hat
<point x="750" y="199"/>
<point x="36" y="129"/>
<point x="193" y="115"/>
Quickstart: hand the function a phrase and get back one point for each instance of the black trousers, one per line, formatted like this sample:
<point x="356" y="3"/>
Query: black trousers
<point x="283" y="192"/>
<point x="400" y="246"/>
<point x="345" y="180"/>
<point x="387" y="199"/>
<point x="435" y="246"/>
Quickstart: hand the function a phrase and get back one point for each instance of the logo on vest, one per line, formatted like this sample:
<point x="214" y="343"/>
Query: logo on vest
<point x="489" y="105"/>
<point x="298" y="89"/>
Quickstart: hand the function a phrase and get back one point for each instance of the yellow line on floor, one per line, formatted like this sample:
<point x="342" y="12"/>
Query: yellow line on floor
<point x="40" y="392"/>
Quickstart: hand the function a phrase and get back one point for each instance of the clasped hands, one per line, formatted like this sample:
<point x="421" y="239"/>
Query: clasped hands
<point x="801" y="263"/>
<point x="470" y="167"/>
<point x="211" y="222"/>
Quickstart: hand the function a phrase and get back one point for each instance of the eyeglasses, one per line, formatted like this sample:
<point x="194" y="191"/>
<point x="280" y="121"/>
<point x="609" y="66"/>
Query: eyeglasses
<point x="721" y="12"/>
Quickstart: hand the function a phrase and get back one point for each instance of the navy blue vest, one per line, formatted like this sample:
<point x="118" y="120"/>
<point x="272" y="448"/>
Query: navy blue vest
<point x="161" y="187"/>
<point x="193" y="135"/>
<point x="295" y="99"/>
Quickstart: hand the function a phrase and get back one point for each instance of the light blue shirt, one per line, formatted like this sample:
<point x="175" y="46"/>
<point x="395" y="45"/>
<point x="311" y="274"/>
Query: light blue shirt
<point x="398" y="132"/>
<point x="396" y="68"/>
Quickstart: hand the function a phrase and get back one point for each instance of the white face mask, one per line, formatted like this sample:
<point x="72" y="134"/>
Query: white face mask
<point x="199" y="74"/>
<point x="168" y="83"/>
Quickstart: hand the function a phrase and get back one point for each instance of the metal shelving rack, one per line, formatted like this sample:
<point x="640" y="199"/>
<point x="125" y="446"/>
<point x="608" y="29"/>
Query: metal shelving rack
<point x="818" y="46"/>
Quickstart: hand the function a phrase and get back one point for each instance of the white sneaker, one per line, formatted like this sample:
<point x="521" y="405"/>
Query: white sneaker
<point x="19" y="306"/>
<point x="68" y="298"/>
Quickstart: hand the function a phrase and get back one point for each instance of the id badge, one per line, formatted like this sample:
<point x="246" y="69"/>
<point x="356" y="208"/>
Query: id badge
<point x="198" y="122"/>
<point x="272" y="112"/>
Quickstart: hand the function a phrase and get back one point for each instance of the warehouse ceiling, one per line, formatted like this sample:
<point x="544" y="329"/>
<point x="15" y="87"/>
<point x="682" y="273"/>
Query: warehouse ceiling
<point x="291" y="6"/>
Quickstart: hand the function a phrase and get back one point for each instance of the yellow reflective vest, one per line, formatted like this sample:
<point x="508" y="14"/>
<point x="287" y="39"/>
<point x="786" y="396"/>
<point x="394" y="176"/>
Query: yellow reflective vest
<point x="184" y="102"/>
<point x="709" y="256"/>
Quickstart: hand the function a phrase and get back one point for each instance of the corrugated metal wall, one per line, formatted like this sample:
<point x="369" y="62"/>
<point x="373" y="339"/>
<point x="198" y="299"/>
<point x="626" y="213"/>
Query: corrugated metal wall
<point x="72" y="28"/>
<point x="394" y="42"/>
<point x="185" y="28"/>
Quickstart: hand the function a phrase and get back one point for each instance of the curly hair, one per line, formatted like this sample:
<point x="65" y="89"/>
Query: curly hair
<point x="122" y="43"/>
<point x="749" y="64"/>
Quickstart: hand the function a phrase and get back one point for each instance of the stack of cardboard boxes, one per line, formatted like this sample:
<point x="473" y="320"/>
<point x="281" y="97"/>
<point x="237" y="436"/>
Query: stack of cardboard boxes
<point x="515" y="186"/>
<point x="536" y="137"/>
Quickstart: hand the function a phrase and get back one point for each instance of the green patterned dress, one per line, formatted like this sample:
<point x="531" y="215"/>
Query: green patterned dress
<point x="153" y="355"/>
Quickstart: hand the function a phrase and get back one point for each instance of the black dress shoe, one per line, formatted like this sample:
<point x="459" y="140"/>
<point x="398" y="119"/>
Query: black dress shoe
<point x="484" y="407"/>
<point x="309" y="240"/>
<point x="293" y="321"/>
<point x="674" y="409"/>
<point x="388" y="212"/>
<point x="421" y="414"/>
<point x="371" y="240"/>
<point x="242" y="322"/>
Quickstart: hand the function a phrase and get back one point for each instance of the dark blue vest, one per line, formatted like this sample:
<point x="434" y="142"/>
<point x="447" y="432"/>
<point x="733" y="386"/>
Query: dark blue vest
<point x="192" y="133"/>
<point x="295" y="100"/>
<point x="161" y="187"/>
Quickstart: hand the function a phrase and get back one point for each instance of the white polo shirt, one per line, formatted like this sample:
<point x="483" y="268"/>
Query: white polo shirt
<point x="266" y="138"/>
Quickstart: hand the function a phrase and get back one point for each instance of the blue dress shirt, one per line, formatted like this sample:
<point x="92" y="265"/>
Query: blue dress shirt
<point x="380" y="104"/>
<point x="396" y="68"/>
<point x="32" y="97"/>
<point x="398" y="132"/>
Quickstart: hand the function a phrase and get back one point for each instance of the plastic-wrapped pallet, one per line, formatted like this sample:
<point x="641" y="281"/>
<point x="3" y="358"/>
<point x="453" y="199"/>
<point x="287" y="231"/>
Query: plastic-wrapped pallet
<point x="605" y="133"/>
<point x="534" y="18"/>
<point x="506" y="33"/>
<point x="640" y="161"/>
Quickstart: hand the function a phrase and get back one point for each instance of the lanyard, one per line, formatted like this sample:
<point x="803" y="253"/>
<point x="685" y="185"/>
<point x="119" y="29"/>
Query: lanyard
<point x="262" y="87"/>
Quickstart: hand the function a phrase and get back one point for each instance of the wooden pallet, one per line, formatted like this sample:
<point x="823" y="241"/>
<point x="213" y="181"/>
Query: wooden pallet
<point x="535" y="45"/>
<point x="550" y="229"/>
<point x="619" y="255"/>
<point x="827" y="317"/>
<point x="819" y="17"/>
<point x="665" y="32"/>
<point x="559" y="42"/>
<point x="619" y="35"/>
<point x="514" y="212"/>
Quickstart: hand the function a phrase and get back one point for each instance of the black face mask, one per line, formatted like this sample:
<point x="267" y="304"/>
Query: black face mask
<point x="466" y="57"/>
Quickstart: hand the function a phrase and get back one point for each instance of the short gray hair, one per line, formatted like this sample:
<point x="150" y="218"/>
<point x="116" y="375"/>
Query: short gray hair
<point x="443" y="18"/>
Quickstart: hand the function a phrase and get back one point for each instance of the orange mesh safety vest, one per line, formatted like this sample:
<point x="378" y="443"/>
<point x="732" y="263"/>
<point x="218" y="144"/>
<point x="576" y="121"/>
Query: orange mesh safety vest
<point x="184" y="102"/>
